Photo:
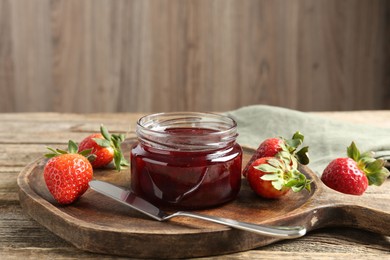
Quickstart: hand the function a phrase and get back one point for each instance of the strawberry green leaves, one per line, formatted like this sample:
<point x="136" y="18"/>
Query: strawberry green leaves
<point x="295" y="141"/>
<point x="283" y="173"/>
<point x="105" y="133"/>
<point x="353" y="152"/>
<point x="373" y="168"/>
<point x="298" y="182"/>
<point x="99" y="148"/>
<point x="102" y="142"/>
<point x="72" y="149"/>
<point x="293" y="144"/>
<point x="302" y="155"/>
<point x="113" y="141"/>
<point x="289" y="149"/>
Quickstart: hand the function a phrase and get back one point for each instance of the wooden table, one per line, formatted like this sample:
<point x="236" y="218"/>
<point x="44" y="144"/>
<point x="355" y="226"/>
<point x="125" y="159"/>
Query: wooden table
<point x="24" y="136"/>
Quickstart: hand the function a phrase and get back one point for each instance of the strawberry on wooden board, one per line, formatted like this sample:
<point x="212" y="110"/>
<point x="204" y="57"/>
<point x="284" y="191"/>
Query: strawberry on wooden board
<point x="352" y="175"/>
<point x="272" y="177"/>
<point x="281" y="147"/>
<point x="106" y="147"/>
<point x="67" y="173"/>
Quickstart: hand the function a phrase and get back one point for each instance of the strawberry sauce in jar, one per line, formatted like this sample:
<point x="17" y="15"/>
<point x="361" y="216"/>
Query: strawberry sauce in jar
<point x="186" y="160"/>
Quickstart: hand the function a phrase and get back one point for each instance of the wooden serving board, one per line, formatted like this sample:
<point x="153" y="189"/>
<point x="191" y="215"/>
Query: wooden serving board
<point x="98" y="224"/>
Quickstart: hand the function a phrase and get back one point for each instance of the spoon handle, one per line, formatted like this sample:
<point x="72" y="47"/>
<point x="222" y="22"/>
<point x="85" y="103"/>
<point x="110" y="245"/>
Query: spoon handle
<point x="273" y="231"/>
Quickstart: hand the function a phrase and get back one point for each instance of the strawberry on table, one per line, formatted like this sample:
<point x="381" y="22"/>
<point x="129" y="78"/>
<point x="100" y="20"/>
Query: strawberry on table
<point x="272" y="177"/>
<point x="353" y="174"/>
<point x="67" y="173"/>
<point x="106" y="148"/>
<point x="281" y="147"/>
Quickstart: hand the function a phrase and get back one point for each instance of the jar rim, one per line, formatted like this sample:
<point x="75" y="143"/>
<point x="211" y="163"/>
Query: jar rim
<point x="152" y="130"/>
<point x="187" y="114"/>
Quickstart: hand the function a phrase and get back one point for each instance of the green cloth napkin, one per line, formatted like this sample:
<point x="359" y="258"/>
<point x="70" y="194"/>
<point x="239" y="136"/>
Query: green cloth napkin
<point x="327" y="139"/>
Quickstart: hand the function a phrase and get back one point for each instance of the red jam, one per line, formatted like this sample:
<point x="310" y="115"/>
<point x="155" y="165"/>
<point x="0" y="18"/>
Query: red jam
<point x="187" y="167"/>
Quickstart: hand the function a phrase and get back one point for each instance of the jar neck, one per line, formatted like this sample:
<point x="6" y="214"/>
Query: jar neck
<point x="187" y="131"/>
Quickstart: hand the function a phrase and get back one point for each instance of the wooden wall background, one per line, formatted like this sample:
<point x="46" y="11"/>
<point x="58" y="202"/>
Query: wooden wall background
<point x="152" y="55"/>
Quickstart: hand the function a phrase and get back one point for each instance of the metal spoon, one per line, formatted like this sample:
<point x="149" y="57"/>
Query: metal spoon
<point x="128" y="198"/>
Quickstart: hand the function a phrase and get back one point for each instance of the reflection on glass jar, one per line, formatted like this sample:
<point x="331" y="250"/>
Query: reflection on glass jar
<point x="186" y="160"/>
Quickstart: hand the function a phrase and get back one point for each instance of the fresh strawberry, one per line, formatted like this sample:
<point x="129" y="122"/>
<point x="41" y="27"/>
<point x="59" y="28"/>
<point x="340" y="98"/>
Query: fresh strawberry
<point x="106" y="147"/>
<point x="352" y="175"/>
<point x="270" y="147"/>
<point x="67" y="173"/>
<point x="272" y="178"/>
<point x="281" y="147"/>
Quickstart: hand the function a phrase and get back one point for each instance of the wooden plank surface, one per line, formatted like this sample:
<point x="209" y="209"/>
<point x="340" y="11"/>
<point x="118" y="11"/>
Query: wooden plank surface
<point x="104" y="223"/>
<point x="22" y="237"/>
<point x="202" y="55"/>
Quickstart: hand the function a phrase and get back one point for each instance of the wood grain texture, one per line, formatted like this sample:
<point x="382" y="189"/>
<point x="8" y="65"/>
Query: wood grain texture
<point x="6" y="60"/>
<point x="97" y="224"/>
<point x="154" y="55"/>
<point x="22" y="237"/>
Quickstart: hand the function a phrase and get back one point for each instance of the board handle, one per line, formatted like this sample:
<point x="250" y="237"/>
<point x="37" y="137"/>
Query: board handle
<point x="370" y="219"/>
<point x="369" y="211"/>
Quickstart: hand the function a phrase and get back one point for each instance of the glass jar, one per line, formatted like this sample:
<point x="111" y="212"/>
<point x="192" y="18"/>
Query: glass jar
<point x="186" y="160"/>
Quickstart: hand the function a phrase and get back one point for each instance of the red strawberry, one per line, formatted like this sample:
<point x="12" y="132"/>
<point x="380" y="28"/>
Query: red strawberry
<point x="270" y="147"/>
<point x="67" y="174"/>
<point x="105" y="147"/>
<point x="272" y="178"/>
<point x="352" y="175"/>
<point x="104" y="155"/>
<point x="281" y="147"/>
